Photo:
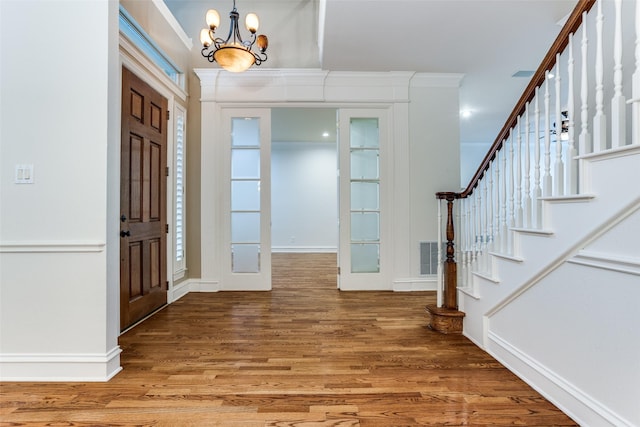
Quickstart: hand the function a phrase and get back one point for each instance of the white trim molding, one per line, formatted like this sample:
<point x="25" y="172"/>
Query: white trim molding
<point x="69" y="367"/>
<point x="570" y="399"/>
<point x="617" y="263"/>
<point x="415" y="284"/>
<point x="315" y="85"/>
<point x="173" y="23"/>
<point x="192" y="285"/>
<point x="52" y="247"/>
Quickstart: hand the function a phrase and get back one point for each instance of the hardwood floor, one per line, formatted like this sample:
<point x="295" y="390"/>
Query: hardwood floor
<point x="304" y="354"/>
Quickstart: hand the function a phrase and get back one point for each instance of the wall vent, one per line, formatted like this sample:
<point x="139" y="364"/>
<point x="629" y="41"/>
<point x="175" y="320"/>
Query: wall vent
<point x="428" y="257"/>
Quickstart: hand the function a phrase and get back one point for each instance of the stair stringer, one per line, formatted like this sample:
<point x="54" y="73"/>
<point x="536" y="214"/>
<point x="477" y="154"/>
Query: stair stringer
<point x="611" y="177"/>
<point x="571" y="332"/>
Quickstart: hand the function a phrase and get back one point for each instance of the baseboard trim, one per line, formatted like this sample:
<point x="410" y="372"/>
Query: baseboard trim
<point x="305" y="249"/>
<point x="68" y="367"/>
<point x="417" y="284"/>
<point x="580" y="407"/>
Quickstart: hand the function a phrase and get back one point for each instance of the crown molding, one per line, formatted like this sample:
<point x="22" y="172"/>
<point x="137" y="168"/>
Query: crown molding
<point x="315" y="85"/>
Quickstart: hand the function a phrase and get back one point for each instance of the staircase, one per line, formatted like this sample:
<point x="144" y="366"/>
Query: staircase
<point x="561" y="312"/>
<point x="547" y="234"/>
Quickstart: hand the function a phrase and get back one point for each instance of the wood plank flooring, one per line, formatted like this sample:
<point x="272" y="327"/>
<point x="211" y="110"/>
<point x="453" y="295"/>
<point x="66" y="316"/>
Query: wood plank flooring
<point x="304" y="354"/>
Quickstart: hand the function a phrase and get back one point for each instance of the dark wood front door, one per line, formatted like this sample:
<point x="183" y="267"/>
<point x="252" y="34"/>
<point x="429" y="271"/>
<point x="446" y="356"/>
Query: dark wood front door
<point x="143" y="260"/>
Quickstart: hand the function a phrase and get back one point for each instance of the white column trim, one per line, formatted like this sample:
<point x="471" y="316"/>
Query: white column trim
<point x="60" y="367"/>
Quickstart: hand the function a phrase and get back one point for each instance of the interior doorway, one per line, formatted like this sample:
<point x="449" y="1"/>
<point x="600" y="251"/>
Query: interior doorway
<point x="304" y="195"/>
<point x="143" y="201"/>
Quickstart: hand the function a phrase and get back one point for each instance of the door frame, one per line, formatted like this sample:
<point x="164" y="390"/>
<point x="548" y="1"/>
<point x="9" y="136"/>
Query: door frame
<point x="131" y="58"/>
<point x="266" y="88"/>
<point x="215" y="150"/>
<point x="145" y="229"/>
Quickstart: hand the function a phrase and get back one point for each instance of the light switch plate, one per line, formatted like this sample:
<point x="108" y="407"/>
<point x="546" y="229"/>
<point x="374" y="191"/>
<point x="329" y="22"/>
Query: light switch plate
<point x="24" y="174"/>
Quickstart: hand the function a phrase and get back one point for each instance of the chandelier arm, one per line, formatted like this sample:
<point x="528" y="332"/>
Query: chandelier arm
<point x="260" y="57"/>
<point x="218" y="42"/>
<point x="249" y="43"/>
<point x="237" y="38"/>
<point x="208" y="55"/>
<point x="233" y="28"/>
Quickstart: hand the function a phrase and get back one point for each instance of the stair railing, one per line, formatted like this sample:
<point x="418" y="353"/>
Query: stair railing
<point x="576" y="104"/>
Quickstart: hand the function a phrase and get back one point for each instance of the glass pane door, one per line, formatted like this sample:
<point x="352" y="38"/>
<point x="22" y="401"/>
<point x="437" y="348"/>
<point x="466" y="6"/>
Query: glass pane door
<point x="361" y="183"/>
<point x="247" y="247"/>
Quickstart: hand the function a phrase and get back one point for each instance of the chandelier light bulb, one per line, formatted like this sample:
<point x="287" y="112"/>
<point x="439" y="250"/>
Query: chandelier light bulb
<point x="252" y="23"/>
<point x="205" y="37"/>
<point x="263" y="42"/>
<point x="213" y="19"/>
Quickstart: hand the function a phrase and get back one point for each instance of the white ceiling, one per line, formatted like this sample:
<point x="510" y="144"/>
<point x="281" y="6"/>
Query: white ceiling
<point x="486" y="40"/>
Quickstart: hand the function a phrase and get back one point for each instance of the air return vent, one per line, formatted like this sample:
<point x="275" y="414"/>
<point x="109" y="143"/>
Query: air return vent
<point x="428" y="257"/>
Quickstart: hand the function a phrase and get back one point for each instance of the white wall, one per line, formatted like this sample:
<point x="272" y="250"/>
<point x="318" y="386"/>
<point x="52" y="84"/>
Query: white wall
<point x="55" y="321"/>
<point x="471" y="155"/>
<point x="304" y="197"/>
<point x="434" y="155"/>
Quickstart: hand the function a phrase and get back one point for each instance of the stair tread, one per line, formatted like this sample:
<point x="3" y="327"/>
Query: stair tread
<point x="534" y="231"/>
<point x="470" y="292"/>
<point x="507" y="256"/>
<point x="486" y="276"/>
<point x="569" y="198"/>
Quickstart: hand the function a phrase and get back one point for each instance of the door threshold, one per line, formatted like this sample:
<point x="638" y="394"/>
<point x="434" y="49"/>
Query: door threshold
<point x="128" y="328"/>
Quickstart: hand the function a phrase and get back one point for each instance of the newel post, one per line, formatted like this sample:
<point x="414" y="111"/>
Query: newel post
<point x="447" y="319"/>
<point x="450" y="267"/>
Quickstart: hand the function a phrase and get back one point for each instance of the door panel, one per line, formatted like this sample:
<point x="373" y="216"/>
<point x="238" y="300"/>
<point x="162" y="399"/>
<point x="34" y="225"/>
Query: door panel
<point x="143" y="286"/>
<point x="363" y="242"/>
<point x="247" y="199"/>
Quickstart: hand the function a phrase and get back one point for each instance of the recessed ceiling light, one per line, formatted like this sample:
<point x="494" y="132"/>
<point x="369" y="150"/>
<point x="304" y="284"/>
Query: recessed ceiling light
<point x="325" y="134"/>
<point x="465" y="114"/>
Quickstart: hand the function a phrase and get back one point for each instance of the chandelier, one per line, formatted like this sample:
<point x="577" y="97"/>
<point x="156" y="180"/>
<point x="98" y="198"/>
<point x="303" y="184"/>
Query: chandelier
<point x="233" y="54"/>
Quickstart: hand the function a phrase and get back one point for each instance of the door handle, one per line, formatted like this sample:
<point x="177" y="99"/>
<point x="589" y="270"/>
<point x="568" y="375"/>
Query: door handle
<point x="125" y="233"/>
<point x="123" y="218"/>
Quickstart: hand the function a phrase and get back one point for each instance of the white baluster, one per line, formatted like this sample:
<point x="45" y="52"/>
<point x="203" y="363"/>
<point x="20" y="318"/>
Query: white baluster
<point x="599" y="120"/>
<point x="547" y="183"/>
<point x="519" y="177"/>
<point x="503" y="228"/>
<point x="537" y="189"/>
<point x="618" y="102"/>
<point x="512" y="211"/>
<point x="457" y="212"/>
<point x="440" y="288"/>
<point x="558" y="166"/>
<point x="482" y="199"/>
<point x="469" y="246"/>
<point x="571" y="169"/>
<point x="477" y="203"/>
<point x="585" y="137"/>
<point x="527" y="169"/>
<point x="495" y="241"/>
<point x="489" y="220"/>
<point x="636" y="84"/>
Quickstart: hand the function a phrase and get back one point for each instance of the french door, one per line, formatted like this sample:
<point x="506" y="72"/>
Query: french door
<point x="363" y="237"/>
<point x="246" y="199"/>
